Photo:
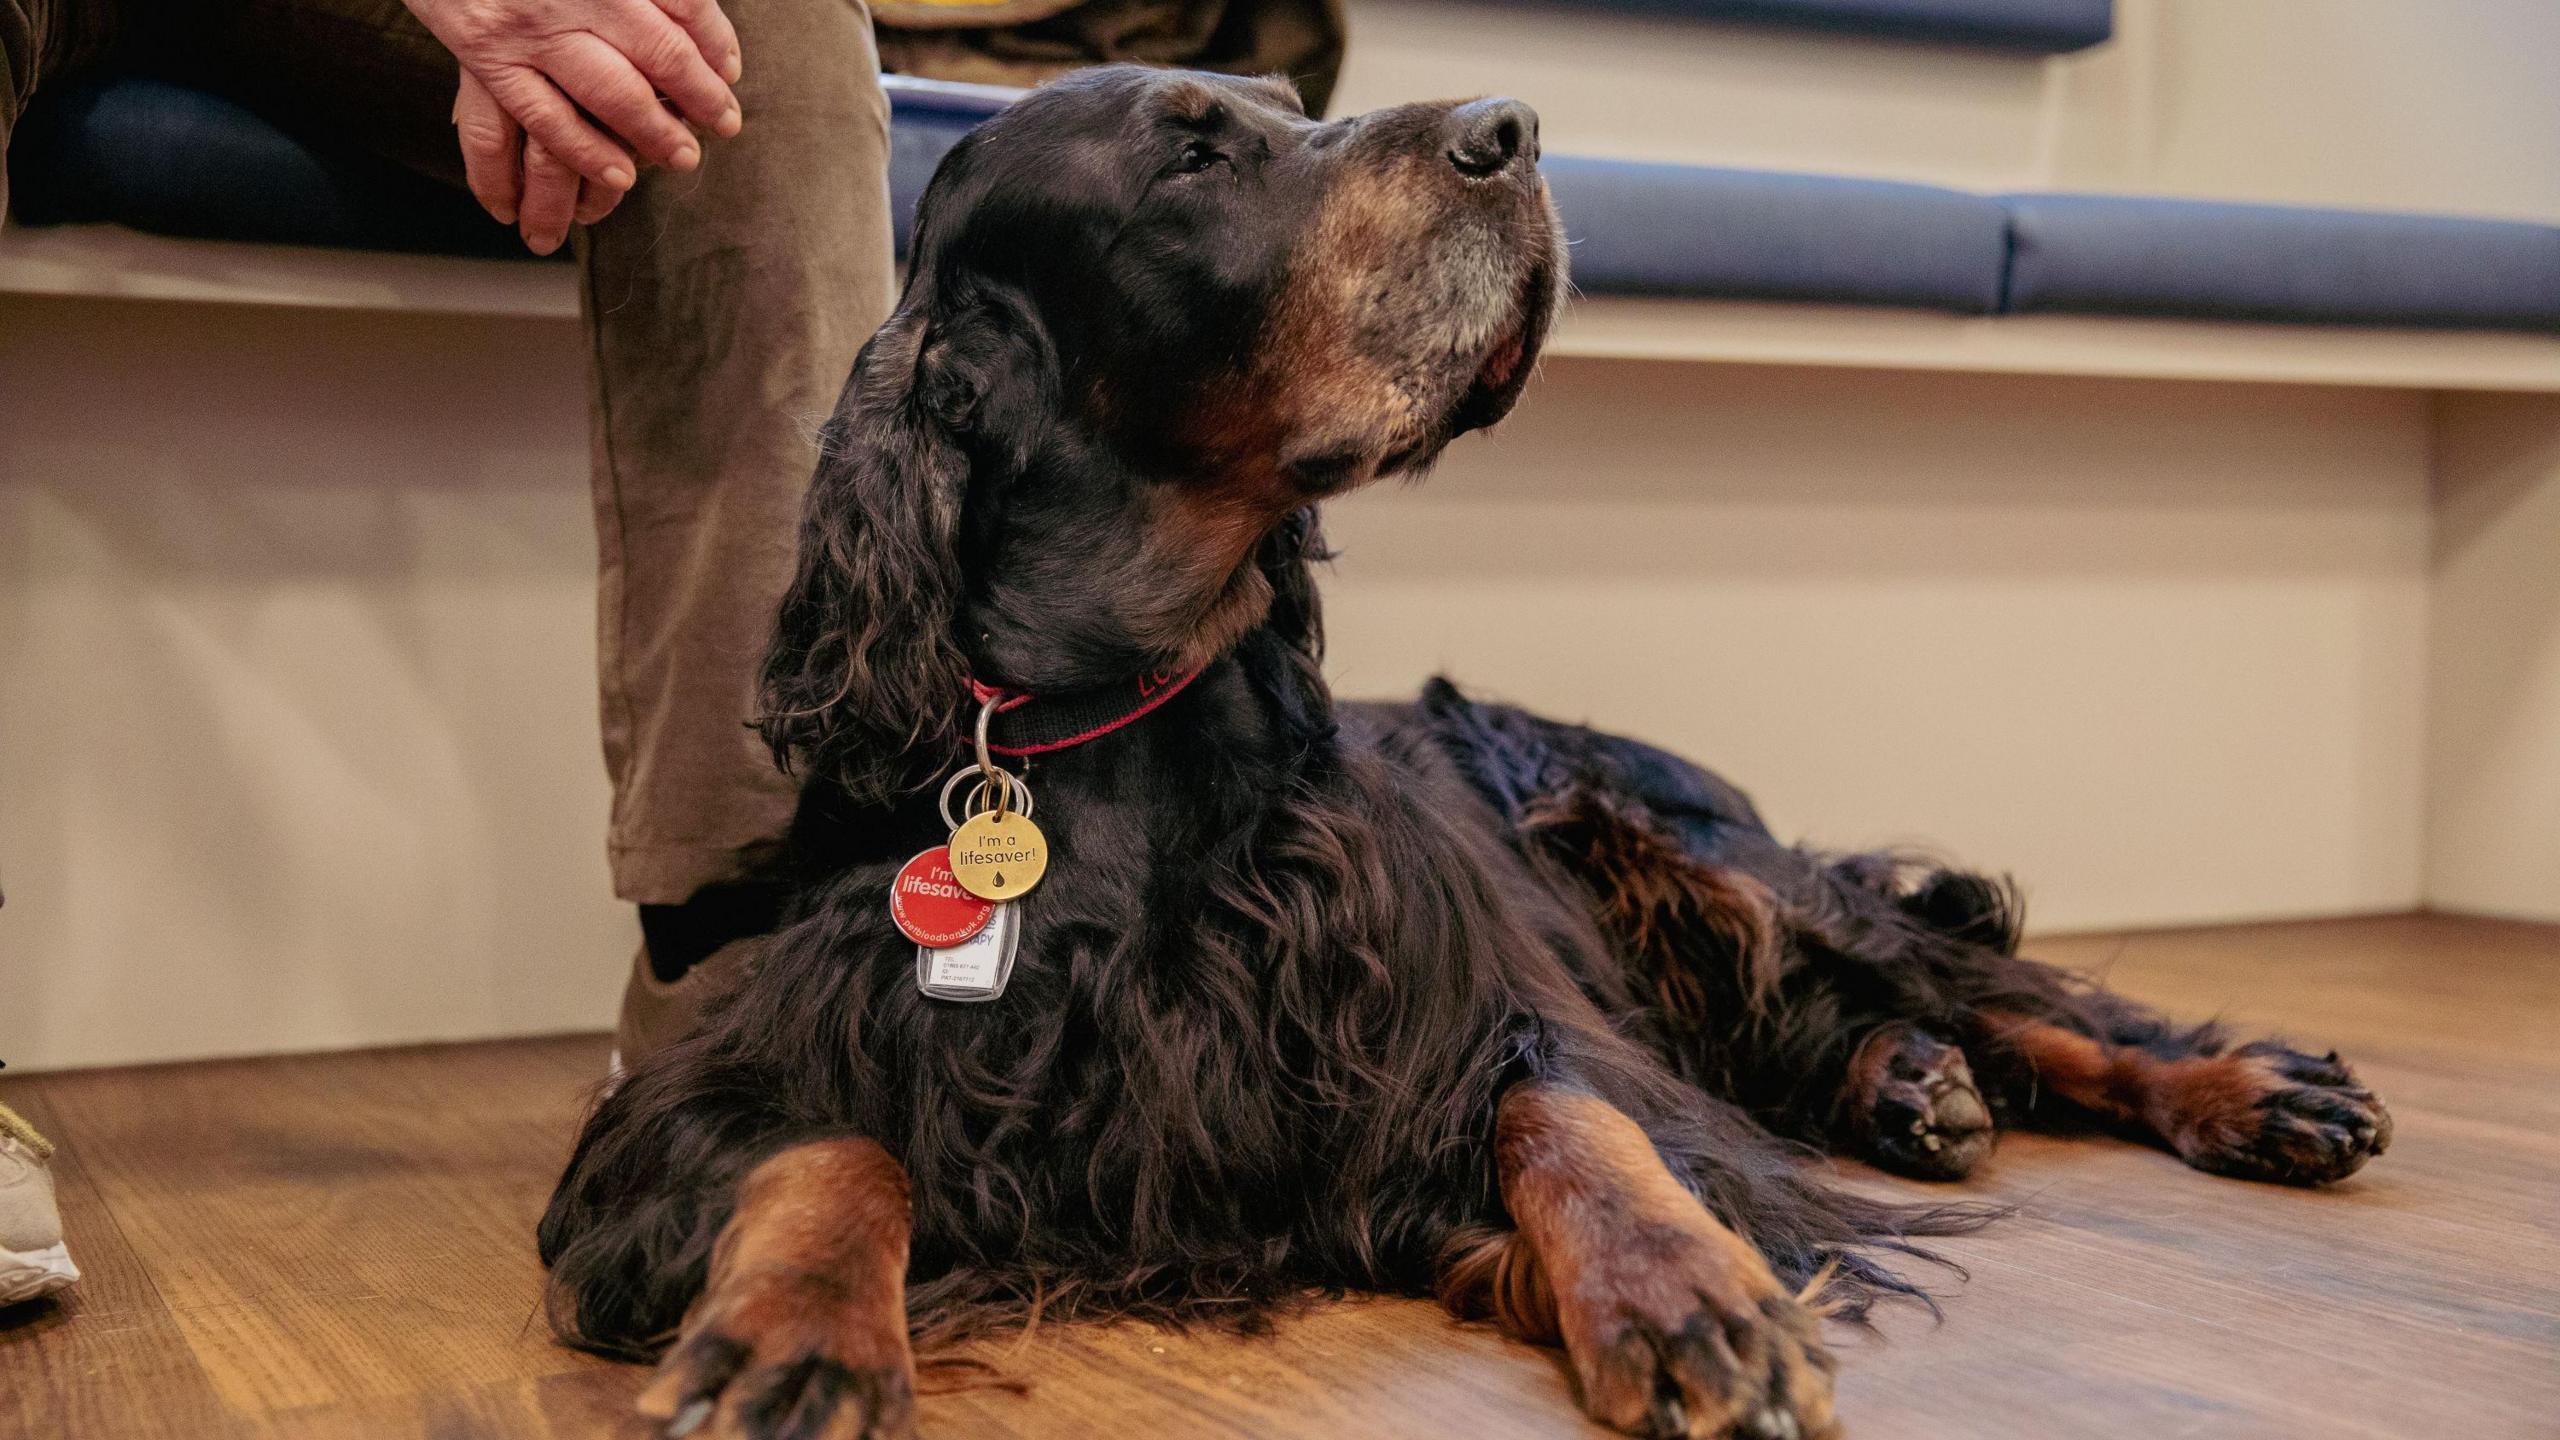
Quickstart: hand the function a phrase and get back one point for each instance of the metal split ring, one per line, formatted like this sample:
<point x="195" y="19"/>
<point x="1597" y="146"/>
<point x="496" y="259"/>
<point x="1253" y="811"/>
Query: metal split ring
<point x="1007" y="784"/>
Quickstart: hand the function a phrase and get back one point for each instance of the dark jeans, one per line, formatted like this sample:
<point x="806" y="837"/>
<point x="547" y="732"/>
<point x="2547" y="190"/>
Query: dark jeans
<point x="722" y="311"/>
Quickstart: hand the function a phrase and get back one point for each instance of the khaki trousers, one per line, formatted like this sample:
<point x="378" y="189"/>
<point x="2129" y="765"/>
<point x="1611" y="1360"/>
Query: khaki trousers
<point x="722" y="311"/>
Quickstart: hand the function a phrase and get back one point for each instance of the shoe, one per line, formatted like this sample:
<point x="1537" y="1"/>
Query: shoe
<point x="656" y="1013"/>
<point x="33" y="1261"/>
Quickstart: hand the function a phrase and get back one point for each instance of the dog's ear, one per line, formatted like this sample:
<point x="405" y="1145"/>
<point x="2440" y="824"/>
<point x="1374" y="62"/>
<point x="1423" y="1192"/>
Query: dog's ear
<point x="864" y="667"/>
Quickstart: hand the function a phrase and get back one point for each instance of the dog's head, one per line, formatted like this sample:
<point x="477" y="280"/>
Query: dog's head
<point x="1150" y="316"/>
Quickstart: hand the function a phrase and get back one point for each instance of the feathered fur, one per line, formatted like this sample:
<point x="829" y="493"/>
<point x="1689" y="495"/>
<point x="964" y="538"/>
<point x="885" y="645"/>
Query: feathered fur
<point x="1291" y="953"/>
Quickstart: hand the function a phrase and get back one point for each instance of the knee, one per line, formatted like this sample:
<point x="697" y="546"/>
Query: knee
<point x="806" y="53"/>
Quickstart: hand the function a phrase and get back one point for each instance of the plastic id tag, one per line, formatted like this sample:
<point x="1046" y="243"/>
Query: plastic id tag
<point x="978" y="968"/>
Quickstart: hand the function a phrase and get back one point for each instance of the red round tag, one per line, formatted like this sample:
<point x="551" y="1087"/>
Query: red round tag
<point x="929" y="905"/>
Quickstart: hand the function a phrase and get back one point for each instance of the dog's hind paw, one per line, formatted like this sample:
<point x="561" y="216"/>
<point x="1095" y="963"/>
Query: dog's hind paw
<point x="783" y="1357"/>
<point x="2268" y="1112"/>
<point x="1911" y="1106"/>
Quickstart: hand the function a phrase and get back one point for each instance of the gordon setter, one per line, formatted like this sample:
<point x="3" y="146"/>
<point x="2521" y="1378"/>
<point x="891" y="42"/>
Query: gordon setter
<point x="1437" y="997"/>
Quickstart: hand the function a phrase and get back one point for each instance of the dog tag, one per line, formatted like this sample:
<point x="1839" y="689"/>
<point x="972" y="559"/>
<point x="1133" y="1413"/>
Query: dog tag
<point x="978" y="968"/>
<point x="929" y="906"/>
<point x="999" y="856"/>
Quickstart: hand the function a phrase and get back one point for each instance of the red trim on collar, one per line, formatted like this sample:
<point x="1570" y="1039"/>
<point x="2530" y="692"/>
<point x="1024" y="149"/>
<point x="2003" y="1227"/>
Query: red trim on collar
<point x="1060" y="722"/>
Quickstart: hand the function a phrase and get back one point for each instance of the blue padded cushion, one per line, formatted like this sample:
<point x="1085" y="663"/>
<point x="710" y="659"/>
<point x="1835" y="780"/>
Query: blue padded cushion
<point x="178" y="161"/>
<point x="925" y="120"/>
<point x="2277" y="262"/>
<point x="1654" y="229"/>
<point x="174" y="160"/>
<point x="2044" y="27"/>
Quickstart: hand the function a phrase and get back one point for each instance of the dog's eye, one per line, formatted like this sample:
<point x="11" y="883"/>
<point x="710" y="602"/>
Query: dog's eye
<point x="1197" y="156"/>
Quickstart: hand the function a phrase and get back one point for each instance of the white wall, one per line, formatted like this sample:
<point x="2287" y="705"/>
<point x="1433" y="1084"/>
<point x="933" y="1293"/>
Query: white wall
<point x="2437" y="105"/>
<point x="2154" y="647"/>
<point x="2493" y="683"/>
<point x="297" y="743"/>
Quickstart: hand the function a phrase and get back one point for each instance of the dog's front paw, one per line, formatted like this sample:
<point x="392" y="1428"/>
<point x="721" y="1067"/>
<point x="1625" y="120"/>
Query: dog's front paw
<point x="786" y="1357"/>
<point x="1698" y="1340"/>
<point x="2266" y="1112"/>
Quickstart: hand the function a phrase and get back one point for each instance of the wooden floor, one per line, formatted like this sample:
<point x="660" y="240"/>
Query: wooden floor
<point x="340" y="1246"/>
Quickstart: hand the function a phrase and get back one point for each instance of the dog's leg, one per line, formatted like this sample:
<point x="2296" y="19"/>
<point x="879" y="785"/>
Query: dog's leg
<point x="802" y="1329"/>
<point x="1908" y="1100"/>
<point x="1673" y="1324"/>
<point x="1845" y="1001"/>
<point x="2260" y="1111"/>
<point x="2043" y="1046"/>
<point x="1791" y="1009"/>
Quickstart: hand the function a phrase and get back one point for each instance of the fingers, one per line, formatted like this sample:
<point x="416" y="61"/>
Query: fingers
<point x="596" y="202"/>
<point x="492" y="146"/>
<point x="603" y="81"/>
<point x="548" y="116"/>
<point x="500" y="161"/>
<point x="550" y="199"/>
<point x="712" y="33"/>
<point x="674" y="61"/>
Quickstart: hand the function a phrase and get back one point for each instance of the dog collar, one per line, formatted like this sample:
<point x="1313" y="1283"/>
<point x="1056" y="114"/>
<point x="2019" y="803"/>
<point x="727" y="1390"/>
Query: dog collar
<point x="1028" y="724"/>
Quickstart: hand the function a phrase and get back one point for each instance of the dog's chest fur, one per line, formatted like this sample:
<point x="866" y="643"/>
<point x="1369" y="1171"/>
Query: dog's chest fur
<point x="1232" y="1009"/>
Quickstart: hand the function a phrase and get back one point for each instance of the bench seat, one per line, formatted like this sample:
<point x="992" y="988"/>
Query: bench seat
<point x="163" y="158"/>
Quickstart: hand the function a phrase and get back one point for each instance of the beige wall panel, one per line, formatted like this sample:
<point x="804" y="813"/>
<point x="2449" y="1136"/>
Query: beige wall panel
<point x="297" y="741"/>
<point x="2493" y="832"/>
<point x="2431" y="105"/>
<point x="297" y="738"/>
<point x="2157" y="648"/>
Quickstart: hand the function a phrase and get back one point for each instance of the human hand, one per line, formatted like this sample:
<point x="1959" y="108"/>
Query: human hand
<point x="517" y="179"/>
<point x="539" y="63"/>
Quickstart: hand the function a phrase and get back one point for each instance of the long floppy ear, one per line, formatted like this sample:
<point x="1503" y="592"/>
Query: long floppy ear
<point x="864" y="671"/>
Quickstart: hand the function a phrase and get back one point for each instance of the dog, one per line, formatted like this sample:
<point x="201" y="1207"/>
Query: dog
<point x="1428" y="998"/>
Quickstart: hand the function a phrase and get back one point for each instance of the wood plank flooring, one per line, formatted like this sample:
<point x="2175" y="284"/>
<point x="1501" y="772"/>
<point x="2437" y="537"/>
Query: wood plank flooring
<point x="340" y="1246"/>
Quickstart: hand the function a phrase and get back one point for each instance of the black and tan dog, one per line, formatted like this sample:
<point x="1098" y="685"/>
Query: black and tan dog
<point x="1439" y="997"/>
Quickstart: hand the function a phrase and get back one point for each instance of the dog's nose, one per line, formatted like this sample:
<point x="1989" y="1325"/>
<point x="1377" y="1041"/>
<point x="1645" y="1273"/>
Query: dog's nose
<point x="1487" y="137"/>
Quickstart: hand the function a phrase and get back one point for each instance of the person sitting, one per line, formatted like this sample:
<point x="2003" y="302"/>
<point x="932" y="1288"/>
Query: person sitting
<point x="721" y="175"/>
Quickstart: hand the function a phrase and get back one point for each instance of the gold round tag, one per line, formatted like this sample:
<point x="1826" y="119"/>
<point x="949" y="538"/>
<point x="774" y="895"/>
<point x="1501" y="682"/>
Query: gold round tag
<point x="999" y="857"/>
